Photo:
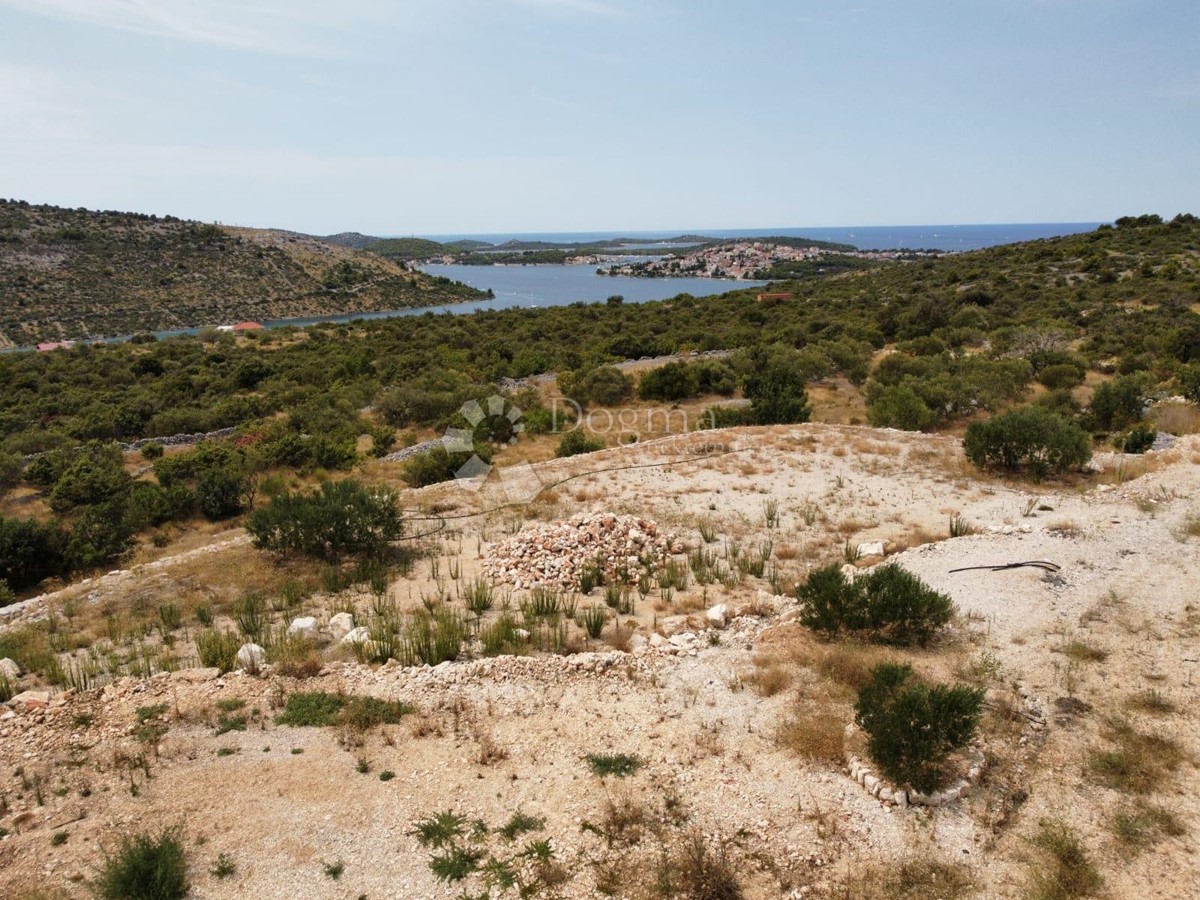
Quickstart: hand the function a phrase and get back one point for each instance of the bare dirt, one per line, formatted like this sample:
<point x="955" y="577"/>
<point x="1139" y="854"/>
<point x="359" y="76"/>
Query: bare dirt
<point x="490" y="737"/>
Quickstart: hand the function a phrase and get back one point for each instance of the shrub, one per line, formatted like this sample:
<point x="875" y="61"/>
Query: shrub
<point x="341" y="517"/>
<point x="912" y="727"/>
<point x="775" y="386"/>
<point x="145" y="868"/>
<point x="603" y="385"/>
<point x="674" y="381"/>
<point x="218" y="649"/>
<point x="890" y="603"/>
<point x="316" y="709"/>
<point x="726" y="417"/>
<point x="96" y="475"/>
<point x="899" y="406"/>
<point x="438" y="465"/>
<point x="1061" y="375"/>
<point x="100" y="535"/>
<point x="152" y="450"/>
<point x="573" y="443"/>
<point x="1139" y="438"/>
<point x="1032" y="436"/>
<point x="1118" y="403"/>
<point x="29" y="552"/>
<point x="223" y="492"/>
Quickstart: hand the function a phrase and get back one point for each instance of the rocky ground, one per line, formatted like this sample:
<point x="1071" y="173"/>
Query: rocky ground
<point x="735" y="711"/>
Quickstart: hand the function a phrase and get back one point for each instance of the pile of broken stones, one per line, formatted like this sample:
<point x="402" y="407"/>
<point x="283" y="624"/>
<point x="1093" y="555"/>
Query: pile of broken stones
<point x="554" y="554"/>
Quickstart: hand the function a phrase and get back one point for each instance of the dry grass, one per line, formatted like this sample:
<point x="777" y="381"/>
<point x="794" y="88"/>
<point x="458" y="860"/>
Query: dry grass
<point x="1083" y="651"/>
<point x="915" y="878"/>
<point x="814" y="733"/>
<point x="770" y="677"/>
<point x="1151" y="701"/>
<point x="1139" y="762"/>
<point x="1176" y="418"/>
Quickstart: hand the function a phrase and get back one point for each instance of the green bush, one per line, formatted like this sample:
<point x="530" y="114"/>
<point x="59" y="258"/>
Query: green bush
<point x="152" y="450"/>
<point x="145" y="868"/>
<point x="97" y="475"/>
<point x="889" y="604"/>
<point x="576" y="442"/>
<point x="1118" y="403"/>
<point x="775" y="387"/>
<point x="30" y="551"/>
<point x="1061" y="375"/>
<point x="438" y="465"/>
<point x="341" y="517"/>
<point x="1032" y="436"/>
<point x="218" y="649"/>
<point x="899" y="406"/>
<point x="913" y="727"/>
<point x="223" y="492"/>
<point x="603" y="386"/>
<point x="1139" y="438"/>
<point x="674" y="381"/>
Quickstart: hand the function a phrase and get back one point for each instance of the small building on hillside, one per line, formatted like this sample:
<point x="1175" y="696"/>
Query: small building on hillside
<point x="247" y="326"/>
<point x="55" y="345"/>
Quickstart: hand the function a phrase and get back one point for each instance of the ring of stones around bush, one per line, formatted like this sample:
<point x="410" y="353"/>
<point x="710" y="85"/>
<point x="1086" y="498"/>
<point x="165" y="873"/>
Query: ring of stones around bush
<point x="865" y="776"/>
<point x="623" y="547"/>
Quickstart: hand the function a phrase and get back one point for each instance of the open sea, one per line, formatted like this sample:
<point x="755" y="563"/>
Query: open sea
<point x="864" y="237"/>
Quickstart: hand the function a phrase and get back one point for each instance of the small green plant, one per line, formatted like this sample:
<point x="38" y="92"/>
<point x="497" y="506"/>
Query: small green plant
<point x="145" y="867"/>
<point x="456" y="863"/>
<point x="771" y="513"/>
<point x="333" y="870"/>
<point x="250" y="614"/>
<point x="592" y="621"/>
<point x="218" y="649"/>
<point x="387" y="775"/>
<point x="1138" y="762"/>
<point x="226" y="724"/>
<point x="362" y="767"/>
<point x="439" y="830"/>
<point x="1151" y="701"/>
<point x="912" y="727"/>
<point x="58" y="838"/>
<point x="316" y="709"/>
<point x="520" y="823"/>
<point x="708" y="533"/>
<point x="960" y="527"/>
<point x="478" y="596"/>
<point x="619" y="765"/>
<point x="589" y="576"/>
<point x="224" y="867"/>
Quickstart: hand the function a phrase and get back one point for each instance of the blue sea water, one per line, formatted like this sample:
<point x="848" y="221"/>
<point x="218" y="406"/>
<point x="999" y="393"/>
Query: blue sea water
<point x="866" y="237"/>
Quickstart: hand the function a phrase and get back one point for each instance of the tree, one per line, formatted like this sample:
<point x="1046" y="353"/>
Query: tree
<point x="602" y="385"/>
<point x="1032" y="436"/>
<point x="223" y="492"/>
<point x="775" y="386"/>
<point x="342" y="517"/>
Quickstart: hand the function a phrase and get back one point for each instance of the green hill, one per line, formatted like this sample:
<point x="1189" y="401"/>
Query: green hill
<point x="405" y="249"/>
<point x="76" y="274"/>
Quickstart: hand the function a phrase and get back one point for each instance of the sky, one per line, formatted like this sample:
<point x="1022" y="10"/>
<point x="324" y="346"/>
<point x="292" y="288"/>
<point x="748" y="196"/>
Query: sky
<point x="471" y="116"/>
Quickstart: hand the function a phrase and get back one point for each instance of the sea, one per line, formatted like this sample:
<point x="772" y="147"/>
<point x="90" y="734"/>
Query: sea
<point x="864" y="237"/>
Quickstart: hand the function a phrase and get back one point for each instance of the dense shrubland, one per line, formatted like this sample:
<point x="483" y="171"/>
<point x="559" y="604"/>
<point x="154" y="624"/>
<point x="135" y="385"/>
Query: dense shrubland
<point x="964" y="335"/>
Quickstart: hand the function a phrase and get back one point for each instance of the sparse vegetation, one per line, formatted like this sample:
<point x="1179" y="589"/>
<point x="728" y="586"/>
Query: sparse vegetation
<point x="618" y="765"/>
<point x="1067" y="870"/>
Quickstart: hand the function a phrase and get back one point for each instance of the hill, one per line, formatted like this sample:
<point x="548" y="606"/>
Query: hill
<point x="352" y="239"/>
<point x="77" y="274"/>
<point x="405" y="249"/>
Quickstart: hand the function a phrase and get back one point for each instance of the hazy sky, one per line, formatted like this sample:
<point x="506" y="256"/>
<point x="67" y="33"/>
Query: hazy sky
<point x="441" y="116"/>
